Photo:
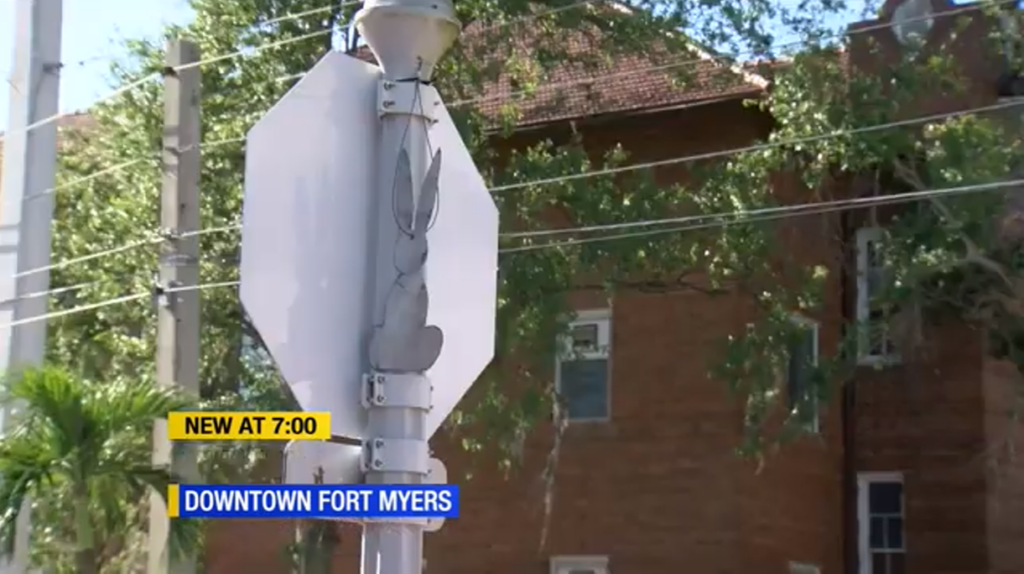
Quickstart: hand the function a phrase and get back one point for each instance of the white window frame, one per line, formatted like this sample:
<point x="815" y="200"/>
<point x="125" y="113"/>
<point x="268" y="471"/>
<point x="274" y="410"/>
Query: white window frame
<point x="867" y="235"/>
<point x="566" y="564"/>
<point x="864" y="479"/>
<point x="803" y="568"/>
<point x="807" y="322"/>
<point x="603" y="319"/>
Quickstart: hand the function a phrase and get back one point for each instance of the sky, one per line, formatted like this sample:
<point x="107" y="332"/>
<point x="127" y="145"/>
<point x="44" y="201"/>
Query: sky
<point x="92" y="29"/>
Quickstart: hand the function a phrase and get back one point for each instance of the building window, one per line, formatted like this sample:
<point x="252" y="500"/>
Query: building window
<point x="579" y="565"/>
<point x="581" y="376"/>
<point x="873" y="314"/>
<point x="880" y="514"/>
<point x="802" y="360"/>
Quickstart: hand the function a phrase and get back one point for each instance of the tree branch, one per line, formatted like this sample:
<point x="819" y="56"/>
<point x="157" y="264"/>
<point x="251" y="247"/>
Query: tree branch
<point x="974" y="254"/>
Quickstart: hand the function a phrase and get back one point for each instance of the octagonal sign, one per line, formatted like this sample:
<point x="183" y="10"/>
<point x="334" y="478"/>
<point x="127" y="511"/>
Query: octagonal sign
<point x="308" y="243"/>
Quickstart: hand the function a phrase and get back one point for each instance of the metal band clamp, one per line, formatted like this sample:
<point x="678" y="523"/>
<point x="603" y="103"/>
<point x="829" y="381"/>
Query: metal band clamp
<point x="396" y="455"/>
<point x="402" y="390"/>
<point x="408" y="98"/>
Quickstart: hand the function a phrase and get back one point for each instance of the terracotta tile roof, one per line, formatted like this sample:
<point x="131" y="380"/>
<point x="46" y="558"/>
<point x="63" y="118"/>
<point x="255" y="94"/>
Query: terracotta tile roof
<point x="627" y="83"/>
<point x="617" y="84"/>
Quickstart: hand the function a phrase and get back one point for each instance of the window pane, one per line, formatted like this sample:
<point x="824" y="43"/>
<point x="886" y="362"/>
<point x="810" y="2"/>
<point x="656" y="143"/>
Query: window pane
<point x="876" y="282"/>
<point x="897" y="563"/>
<point x="885" y="498"/>
<point x="584" y="337"/>
<point x="879" y="563"/>
<point x="878" y="276"/>
<point x="584" y="388"/>
<point x="801" y="361"/>
<point x="876" y="533"/>
<point x="894" y="533"/>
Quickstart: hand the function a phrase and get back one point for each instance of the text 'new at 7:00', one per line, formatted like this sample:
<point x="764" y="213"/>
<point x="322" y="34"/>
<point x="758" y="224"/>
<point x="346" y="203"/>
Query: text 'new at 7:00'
<point x="204" y="426"/>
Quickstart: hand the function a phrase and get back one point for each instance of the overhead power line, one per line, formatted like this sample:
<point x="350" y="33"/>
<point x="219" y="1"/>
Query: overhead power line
<point x="548" y="181"/>
<point x="750" y="217"/>
<point x="486" y="98"/>
<point x="767" y="214"/>
<point x="609" y="171"/>
<point x="121" y="166"/>
<point x="115" y="301"/>
<point x="248" y="51"/>
<point x="603" y="77"/>
<point x="214" y="59"/>
<point x="155" y="239"/>
<point x="757" y="147"/>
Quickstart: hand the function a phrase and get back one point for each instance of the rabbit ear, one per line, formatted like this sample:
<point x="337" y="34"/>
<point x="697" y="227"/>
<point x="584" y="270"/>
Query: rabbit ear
<point x="403" y="200"/>
<point x="428" y="194"/>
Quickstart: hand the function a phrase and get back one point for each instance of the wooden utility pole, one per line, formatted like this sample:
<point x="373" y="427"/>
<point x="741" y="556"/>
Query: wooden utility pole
<point x="177" y="362"/>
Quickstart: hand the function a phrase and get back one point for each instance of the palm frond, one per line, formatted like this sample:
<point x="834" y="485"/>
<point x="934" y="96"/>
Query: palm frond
<point x="72" y="434"/>
<point x="50" y="398"/>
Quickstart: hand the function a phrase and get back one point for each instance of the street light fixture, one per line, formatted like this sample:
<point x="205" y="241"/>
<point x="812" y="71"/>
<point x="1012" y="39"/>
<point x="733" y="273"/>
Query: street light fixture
<point x="911" y="22"/>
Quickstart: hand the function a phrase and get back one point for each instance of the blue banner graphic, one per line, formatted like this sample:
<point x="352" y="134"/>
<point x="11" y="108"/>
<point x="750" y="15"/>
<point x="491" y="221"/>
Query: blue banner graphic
<point x="313" y="501"/>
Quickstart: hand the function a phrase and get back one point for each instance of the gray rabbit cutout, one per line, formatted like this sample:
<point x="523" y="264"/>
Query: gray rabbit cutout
<point x="404" y="342"/>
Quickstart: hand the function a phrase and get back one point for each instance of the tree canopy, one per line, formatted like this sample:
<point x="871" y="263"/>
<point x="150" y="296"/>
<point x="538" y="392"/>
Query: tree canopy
<point x="945" y="252"/>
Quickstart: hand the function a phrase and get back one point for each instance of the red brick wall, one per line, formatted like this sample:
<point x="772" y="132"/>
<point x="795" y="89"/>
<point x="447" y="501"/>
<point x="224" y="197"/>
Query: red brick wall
<point x="1004" y="467"/>
<point x="927" y="418"/>
<point x="924" y="419"/>
<point x="696" y="507"/>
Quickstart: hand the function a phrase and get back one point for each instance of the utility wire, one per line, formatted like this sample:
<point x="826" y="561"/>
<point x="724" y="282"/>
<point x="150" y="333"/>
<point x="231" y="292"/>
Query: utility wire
<point x="114" y="301"/>
<point x="244" y="52"/>
<point x="297" y="15"/>
<point x="142" y="81"/>
<point x="760" y="147"/>
<point x="757" y="147"/>
<point x="513" y="94"/>
<point x="547" y="181"/>
<point x="737" y="218"/>
<point x="713" y="58"/>
<point x="523" y="18"/>
<point x="124" y="165"/>
<point x="155" y="239"/>
<point x="49" y="292"/>
<point x="774" y="213"/>
<point x="693" y="61"/>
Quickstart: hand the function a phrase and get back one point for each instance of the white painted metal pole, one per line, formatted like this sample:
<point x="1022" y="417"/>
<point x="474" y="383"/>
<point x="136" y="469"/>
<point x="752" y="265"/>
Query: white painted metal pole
<point x="26" y="205"/>
<point x="407" y="37"/>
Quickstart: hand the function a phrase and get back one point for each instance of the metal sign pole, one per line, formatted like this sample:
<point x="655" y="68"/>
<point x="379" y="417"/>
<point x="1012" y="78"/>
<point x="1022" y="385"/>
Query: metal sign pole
<point x="335" y="273"/>
<point x="408" y="38"/>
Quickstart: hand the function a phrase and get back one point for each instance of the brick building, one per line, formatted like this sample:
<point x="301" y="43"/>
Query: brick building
<point x="904" y="475"/>
<point x="899" y="478"/>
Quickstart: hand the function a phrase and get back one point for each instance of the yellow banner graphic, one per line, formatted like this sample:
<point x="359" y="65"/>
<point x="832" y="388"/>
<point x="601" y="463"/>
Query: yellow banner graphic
<point x="203" y="426"/>
<point x="172" y="500"/>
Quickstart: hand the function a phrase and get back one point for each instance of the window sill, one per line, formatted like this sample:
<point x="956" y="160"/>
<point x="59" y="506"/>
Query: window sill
<point x="592" y="429"/>
<point x="880" y="362"/>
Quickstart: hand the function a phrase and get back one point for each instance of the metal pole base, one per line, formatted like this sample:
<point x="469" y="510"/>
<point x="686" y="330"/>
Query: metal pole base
<point x="405" y="548"/>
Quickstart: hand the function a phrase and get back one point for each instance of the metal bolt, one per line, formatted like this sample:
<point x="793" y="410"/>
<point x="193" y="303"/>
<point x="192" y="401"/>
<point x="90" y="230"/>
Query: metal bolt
<point x="388" y="103"/>
<point x="388" y="85"/>
<point x="378" y="443"/>
<point x="380" y="399"/>
<point x="378" y="463"/>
